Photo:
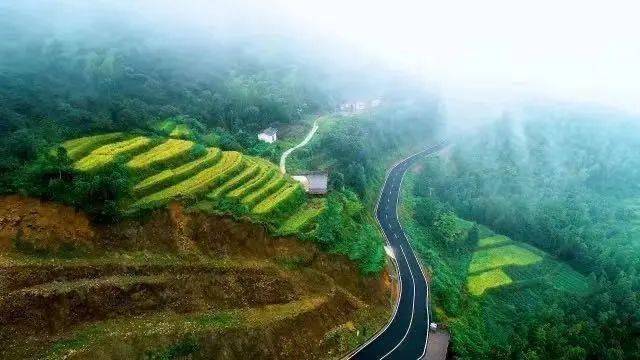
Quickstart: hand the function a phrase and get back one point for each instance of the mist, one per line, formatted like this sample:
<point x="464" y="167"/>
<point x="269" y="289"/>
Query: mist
<point x="498" y="50"/>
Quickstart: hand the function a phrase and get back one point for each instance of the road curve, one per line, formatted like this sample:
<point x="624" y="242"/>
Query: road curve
<point x="406" y="336"/>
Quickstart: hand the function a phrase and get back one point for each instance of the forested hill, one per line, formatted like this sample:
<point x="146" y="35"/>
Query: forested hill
<point x="62" y="94"/>
<point x="62" y="90"/>
<point x="566" y="181"/>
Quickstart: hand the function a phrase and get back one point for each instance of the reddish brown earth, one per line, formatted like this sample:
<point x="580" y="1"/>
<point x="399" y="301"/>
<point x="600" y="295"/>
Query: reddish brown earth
<point x="176" y="282"/>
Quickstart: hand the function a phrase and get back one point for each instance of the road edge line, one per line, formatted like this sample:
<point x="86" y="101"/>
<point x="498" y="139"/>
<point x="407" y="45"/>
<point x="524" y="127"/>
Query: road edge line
<point x="375" y="212"/>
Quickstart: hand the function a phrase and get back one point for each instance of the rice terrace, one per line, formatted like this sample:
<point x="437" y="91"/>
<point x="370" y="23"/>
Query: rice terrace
<point x="171" y="169"/>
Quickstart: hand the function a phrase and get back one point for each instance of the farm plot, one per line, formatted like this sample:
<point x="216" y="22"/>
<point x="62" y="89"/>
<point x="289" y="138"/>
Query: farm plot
<point x="479" y="283"/>
<point x="302" y="218"/>
<point x="229" y="180"/>
<point x="79" y="148"/>
<point x="173" y="176"/>
<point x="486" y="259"/>
<point x="288" y="194"/>
<point x="106" y="154"/>
<point x="249" y="173"/>
<point x="266" y="174"/>
<point x="166" y="152"/>
<point x="227" y="167"/>
<point x="259" y="195"/>
<point x="500" y="261"/>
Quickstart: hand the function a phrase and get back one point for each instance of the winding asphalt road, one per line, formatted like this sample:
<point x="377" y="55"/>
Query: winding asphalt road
<point x="406" y="336"/>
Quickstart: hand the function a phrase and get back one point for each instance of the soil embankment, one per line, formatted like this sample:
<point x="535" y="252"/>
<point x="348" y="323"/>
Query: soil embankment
<point x="178" y="283"/>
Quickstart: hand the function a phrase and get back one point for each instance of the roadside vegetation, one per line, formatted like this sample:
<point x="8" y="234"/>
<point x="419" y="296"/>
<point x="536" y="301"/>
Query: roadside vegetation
<point x="564" y="181"/>
<point x="482" y="281"/>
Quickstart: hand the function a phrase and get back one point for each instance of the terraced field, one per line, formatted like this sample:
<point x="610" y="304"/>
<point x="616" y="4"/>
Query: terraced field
<point x="499" y="261"/>
<point x="169" y="170"/>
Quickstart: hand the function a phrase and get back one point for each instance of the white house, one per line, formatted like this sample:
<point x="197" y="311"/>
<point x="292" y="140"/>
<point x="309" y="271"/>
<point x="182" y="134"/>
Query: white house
<point x="269" y="135"/>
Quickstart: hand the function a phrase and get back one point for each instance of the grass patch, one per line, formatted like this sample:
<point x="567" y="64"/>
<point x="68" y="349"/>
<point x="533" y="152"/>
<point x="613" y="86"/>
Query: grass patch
<point x="185" y="347"/>
<point x="166" y="126"/>
<point x="221" y="320"/>
<point x="478" y="284"/>
<point x="486" y="259"/>
<point x="493" y="241"/>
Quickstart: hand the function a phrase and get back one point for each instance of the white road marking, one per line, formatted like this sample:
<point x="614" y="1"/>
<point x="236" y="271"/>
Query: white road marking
<point x="413" y="305"/>
<point x="400" y="277"/>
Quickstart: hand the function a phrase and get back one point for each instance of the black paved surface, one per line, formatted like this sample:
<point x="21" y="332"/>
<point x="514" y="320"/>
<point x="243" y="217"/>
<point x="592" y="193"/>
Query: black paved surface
<point x="406" y="336"/>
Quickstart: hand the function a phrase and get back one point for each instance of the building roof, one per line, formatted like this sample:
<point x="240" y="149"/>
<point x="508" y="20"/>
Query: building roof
<point x="269" y="131"/>
<point x="314" y="182"/>
<point x="318" y="182"/>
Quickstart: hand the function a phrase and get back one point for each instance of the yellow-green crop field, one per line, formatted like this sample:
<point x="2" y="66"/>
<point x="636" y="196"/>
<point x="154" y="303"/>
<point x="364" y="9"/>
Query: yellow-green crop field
<point x="167" y="151"/>
<point x="107" y="154"/>
<point x="266" y="173"/>
<point x="280" y="197"/>
<point x="499" y="261"/>
<point x="79" y="148"/>
<point x="172" y="176"/>
<point x="198" y="184"/>
<point x="271" y="187"/>
<point x="303" y="217"/>
<point x="250" y="172"/>
<point x="479" y="283"/>
<point x="497" y="257"/>
<point x="168" y="171"/>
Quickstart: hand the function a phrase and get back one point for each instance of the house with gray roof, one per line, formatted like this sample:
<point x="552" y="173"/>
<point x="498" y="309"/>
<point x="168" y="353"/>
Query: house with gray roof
<point x="313" y="182"/>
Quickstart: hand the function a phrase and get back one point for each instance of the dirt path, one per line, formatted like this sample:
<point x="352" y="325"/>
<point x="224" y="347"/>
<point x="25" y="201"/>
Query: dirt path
<point x="283" y="158"/>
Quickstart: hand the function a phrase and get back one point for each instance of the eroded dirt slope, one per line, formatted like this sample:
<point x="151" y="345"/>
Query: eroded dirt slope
<point x="175" y="284"/>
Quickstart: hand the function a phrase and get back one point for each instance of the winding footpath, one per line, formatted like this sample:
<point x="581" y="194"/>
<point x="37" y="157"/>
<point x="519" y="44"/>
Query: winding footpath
<point x="406" y="335"/>
<point x="283" y="158"/>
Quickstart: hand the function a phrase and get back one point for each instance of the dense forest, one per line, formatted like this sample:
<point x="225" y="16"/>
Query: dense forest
<point x="565" y="181"/>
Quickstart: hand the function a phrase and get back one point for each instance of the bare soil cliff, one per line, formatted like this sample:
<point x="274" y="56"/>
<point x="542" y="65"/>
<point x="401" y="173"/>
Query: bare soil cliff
<point x="176" y="284"/>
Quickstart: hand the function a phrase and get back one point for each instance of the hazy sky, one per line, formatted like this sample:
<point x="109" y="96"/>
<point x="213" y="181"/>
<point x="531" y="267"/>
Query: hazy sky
<point x="570" y="49"/>
<point x="566" y="49"/>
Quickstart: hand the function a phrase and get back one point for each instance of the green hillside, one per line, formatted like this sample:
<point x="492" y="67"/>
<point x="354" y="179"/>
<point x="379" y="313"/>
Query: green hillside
<point x="482" y="281"/>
